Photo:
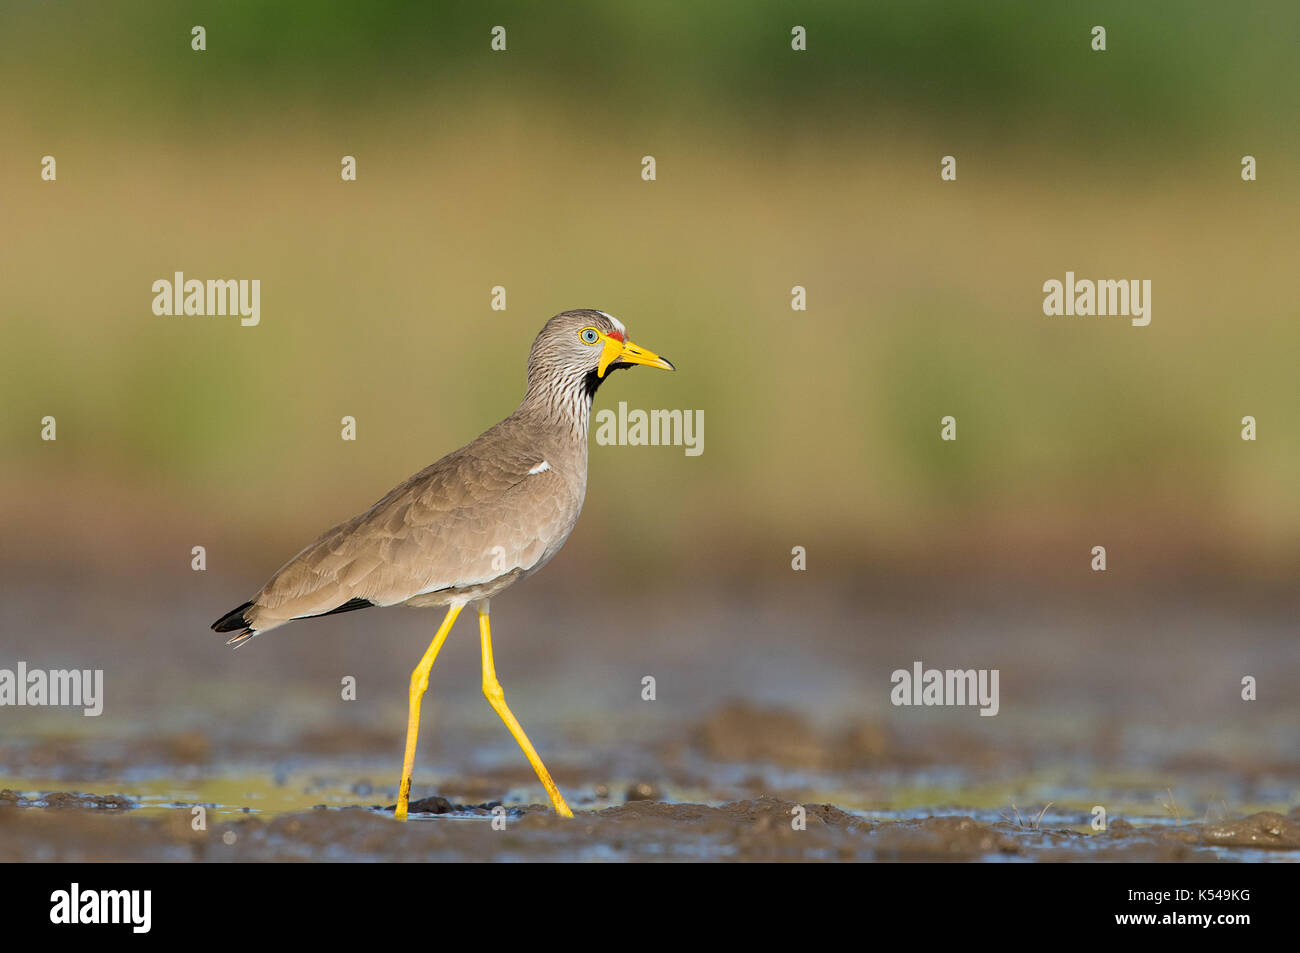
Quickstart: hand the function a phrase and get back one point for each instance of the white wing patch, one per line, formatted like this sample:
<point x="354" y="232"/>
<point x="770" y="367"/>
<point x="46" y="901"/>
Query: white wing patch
<point x="543" y="466"/>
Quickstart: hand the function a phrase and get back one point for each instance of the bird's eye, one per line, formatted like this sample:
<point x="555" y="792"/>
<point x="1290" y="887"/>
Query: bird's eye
<point x="589" y="335"/>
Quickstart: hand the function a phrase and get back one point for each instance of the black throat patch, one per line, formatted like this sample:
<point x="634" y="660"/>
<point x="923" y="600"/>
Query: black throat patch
<point x="591" y="383"/>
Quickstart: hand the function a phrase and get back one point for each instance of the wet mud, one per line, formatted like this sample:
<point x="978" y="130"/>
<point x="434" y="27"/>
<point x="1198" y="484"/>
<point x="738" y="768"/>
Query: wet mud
<point x="763" y="829"/>
<point x="1122" y="736"/>
<point x="741" y="783"/>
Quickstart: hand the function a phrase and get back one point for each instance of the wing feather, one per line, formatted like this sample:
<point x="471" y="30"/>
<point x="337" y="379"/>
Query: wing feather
<point x="474" y="516"/>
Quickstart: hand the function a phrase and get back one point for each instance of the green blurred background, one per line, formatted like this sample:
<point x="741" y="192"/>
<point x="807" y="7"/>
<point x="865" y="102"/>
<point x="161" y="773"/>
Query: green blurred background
<point x="775" y="168"/>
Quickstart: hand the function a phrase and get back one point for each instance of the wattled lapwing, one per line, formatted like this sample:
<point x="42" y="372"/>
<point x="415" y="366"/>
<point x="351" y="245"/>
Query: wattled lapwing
<point x="463" y="529"/>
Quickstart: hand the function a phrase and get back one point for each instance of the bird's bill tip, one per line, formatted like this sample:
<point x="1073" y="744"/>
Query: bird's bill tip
<point x="625" y="352"/>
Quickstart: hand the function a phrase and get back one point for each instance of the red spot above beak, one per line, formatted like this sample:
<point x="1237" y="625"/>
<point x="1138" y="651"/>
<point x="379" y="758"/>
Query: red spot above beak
<point x="617" y="336"/>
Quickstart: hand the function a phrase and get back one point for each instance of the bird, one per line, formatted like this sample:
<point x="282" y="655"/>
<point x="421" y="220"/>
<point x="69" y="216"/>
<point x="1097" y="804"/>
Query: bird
<point x="465" y="528"/>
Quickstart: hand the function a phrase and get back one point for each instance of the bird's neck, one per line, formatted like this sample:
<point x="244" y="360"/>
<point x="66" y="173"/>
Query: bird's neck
<point x="562" y="405"/>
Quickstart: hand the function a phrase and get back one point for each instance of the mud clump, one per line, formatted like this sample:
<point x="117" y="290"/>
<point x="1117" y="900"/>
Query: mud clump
<point x="762" y="829"/>
<point x="742" y="732"/>
<point x="429" y="805"/>
<point x="99" y="802"/>
<point x="943" y="838"/>
<point x="436" y="805"/>
<point x="190" y="747"/>
<point x="1118" y="827"/>
<point x="763" y="813"/>
<point x="864" y="743"/>
<point x="66" y="800"/>
<point x="1264" y="830"/>
<point x="343" y="740"/>
<point x="642" y="791"/>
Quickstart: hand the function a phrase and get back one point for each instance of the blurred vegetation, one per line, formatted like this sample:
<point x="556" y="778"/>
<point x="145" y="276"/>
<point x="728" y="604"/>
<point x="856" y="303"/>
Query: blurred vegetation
<point x="775" y="169"/>
<point x="1190" y="73"/>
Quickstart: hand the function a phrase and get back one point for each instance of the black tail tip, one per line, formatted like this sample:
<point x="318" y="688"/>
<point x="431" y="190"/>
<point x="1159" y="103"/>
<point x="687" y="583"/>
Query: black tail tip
<point x="232" y="620"/>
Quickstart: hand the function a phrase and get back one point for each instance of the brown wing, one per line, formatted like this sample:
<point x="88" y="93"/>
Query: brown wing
<point x="472" y="517"/>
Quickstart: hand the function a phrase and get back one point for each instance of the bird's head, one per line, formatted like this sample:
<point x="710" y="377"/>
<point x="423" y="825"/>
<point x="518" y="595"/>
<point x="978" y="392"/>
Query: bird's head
<point x="580" y="348"/>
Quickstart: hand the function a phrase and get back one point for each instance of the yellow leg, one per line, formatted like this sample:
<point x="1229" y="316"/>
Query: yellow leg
<point x="419" y="682"/>
<point x="497" y="698"/>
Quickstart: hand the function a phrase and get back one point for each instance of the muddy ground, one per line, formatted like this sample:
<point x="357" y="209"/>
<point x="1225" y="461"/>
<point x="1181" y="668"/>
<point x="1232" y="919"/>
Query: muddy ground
<point x="768" y="707"/>
<point x="60" y="826"/>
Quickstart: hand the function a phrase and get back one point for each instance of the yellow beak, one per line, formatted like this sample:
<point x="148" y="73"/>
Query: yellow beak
<point x="625" y="352"/>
